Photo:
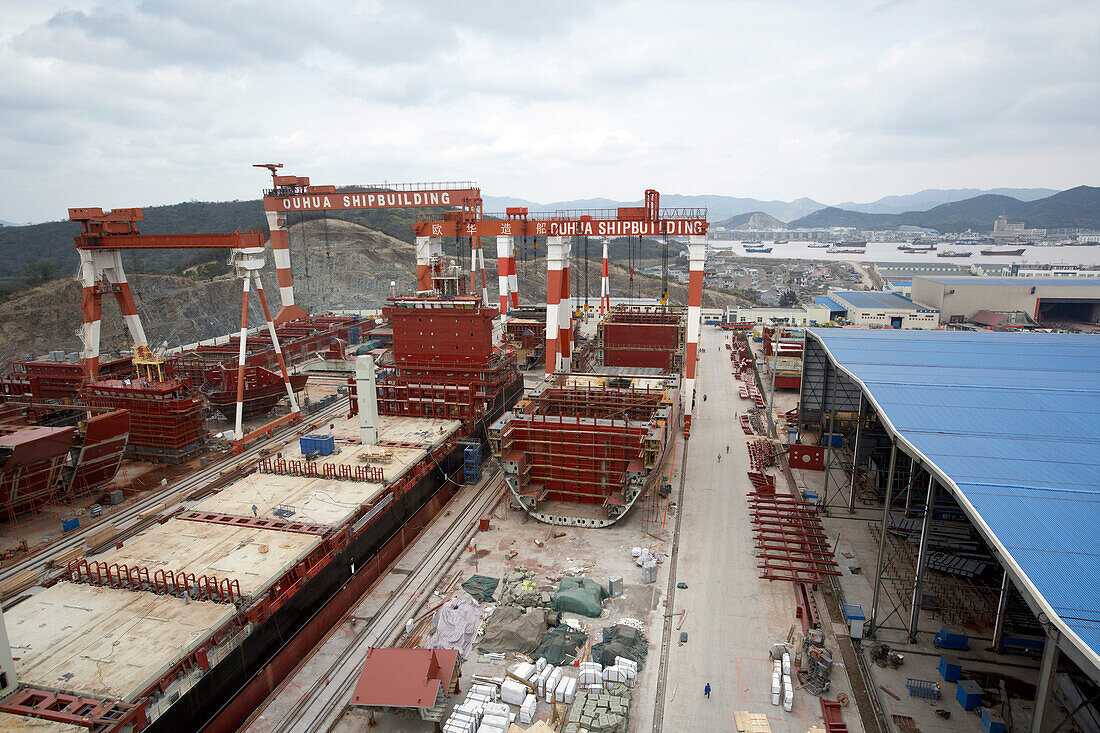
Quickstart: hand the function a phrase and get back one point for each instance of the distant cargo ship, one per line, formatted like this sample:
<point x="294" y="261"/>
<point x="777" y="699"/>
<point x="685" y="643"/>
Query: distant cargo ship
<point x="758" y="249"/>
<point x="1004" y="252"/>
<point x="953" y="253"/>
<point x="846" y="249"/>
<point x="818" y="245"/>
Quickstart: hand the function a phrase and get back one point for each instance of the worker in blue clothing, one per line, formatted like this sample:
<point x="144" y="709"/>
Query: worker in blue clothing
<point x="706" y="690"/>
<point x="255" y="511"/>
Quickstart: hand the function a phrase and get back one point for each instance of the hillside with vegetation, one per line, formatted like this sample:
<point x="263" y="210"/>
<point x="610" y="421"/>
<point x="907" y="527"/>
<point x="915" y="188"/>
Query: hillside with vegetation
<point x="1074" y="208"/>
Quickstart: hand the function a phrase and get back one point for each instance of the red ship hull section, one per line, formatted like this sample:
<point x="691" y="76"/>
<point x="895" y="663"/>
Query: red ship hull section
<point x="102" y="451"/>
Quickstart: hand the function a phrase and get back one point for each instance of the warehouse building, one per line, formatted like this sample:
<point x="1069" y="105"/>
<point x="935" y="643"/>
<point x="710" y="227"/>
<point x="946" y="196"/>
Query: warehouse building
<point x="809" y="315"/>
<point x="980" y="456"/>
<point x="881" y="310"/>
<point x="1046" y="299"/>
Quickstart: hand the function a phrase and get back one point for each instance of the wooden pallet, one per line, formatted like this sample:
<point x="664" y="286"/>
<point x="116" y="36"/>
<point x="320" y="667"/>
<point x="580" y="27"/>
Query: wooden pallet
<point x="751" y="722"/>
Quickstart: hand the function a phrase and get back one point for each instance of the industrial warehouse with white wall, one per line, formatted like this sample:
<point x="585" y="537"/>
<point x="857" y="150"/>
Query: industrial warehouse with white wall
<point x="1046" y="299"/>
<point x="884" y="310"/>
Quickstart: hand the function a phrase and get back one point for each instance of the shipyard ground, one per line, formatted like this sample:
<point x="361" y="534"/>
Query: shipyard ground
<point x="732" y="615"/>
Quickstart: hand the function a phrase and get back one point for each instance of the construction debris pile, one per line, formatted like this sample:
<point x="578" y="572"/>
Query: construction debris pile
<point x="481" y="588"/>
<point x="560" y="644"/>
<point x="520" y="591"/>
<point x="621" y="642"/>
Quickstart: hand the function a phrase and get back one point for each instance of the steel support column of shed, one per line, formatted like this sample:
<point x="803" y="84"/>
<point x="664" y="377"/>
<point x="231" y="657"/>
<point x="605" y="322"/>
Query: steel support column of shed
<point x="873" y="625"/>
<point x="860" y="417"/>
<point x="922" y="557"/>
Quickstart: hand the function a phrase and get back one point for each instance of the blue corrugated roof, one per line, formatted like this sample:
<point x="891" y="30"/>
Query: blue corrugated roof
<point x="1011" y="420"/>
<point x="875" y="299"/>
<point x="831" y="304"/>
<point x="1018" y="281"/>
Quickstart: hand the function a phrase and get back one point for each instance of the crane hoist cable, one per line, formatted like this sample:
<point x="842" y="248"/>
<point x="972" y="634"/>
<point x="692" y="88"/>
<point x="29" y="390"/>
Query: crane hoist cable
<point x="664" y="272"/>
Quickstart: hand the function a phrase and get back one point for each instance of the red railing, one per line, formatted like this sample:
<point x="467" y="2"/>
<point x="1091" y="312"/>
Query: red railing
<point x="311" y="469"/>
<point x="138" y="578"/>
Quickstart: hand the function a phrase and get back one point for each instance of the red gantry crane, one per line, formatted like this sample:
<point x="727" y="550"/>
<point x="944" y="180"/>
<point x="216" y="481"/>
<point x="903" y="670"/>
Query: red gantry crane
<point x="295" y="193"/>
<point x="100" y="242"/>
<point x="559" y="227"/>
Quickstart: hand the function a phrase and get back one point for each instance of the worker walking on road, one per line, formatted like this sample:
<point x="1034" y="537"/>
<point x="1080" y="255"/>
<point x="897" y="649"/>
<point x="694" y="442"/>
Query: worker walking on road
<point x="727" y="447"/>
<point x="719" y="457"/>
<point x="706" y="691"/>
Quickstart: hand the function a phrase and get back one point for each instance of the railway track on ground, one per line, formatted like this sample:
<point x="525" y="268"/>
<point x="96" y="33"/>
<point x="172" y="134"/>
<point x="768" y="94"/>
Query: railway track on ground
<point x="188" y="488"/>
<point x="324" y="702"/>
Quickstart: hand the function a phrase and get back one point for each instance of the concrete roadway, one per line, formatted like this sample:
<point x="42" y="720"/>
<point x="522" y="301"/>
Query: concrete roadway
<point x="733" y="616"/>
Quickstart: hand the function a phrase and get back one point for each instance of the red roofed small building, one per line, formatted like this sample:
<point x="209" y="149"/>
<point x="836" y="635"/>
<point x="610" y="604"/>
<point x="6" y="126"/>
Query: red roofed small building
<point x="408" y="678"/>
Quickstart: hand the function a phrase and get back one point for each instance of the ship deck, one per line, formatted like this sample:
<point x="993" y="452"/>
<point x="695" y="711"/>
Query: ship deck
<point x="254" y="557"/>
<point x="18" y="724"/>
<point x="105" y="642"/>
<point x="327" y="502"/>
<point x="117" y="643"/>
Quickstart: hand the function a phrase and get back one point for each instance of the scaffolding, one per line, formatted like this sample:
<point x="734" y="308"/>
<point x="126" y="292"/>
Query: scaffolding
<point x="165" y="423"/>
<point x="587" y="438"/>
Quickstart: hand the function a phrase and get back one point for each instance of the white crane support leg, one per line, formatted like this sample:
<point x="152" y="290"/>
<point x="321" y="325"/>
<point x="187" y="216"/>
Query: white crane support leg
<point x="237" y="428"/>
<point x="280" y="249"/>
<point x="697" y="254"/>
<point x="275" y="342"/>
<point x="565" y="312"/>
<point x="424" y="265"/>
<point x="554" y="250"/>
<point x="513" y="282"/>
<point x="605" y="285"/>
<point x="503" y="245"/>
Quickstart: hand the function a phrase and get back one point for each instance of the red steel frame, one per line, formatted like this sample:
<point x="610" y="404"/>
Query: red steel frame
<point x="96" y="714"/>
<point x="578" y="442"/>
<point x="165" y="424"/>
<point x="790" y="540"/>
<point x="445" y="362"/>
<point x="637" y="336"/>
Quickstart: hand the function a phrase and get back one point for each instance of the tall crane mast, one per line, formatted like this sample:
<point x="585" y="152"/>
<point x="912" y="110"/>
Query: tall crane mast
<point x="100" y="242"/>
<point x="295" y="193"/>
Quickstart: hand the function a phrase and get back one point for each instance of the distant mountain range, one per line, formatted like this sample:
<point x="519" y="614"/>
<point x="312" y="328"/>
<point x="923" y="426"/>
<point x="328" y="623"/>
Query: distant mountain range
<point x="720" y="208"/>
<point x="751" y="220"/>
<point x="1075" y="207"/>
<point x="932" y="197"/>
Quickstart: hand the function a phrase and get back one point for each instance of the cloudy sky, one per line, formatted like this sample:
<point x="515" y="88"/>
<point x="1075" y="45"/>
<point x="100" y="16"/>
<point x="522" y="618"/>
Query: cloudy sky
<point x="143" y="102"/>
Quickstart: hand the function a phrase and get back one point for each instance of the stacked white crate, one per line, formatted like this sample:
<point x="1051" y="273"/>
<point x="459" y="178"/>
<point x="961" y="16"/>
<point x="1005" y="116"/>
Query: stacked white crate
<point x="527" y="709"/>
<point x="591" y="675"/>
<point x="788" y="688"/>
<point x="777" y="681"/>
<point x="552" y="683"/>
<point x="566" y="690"/>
